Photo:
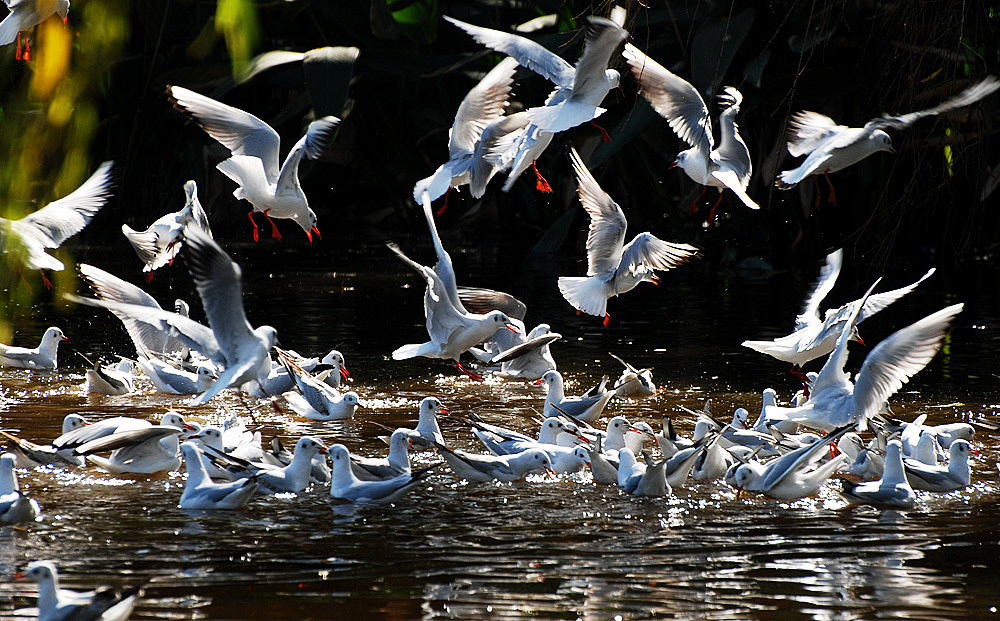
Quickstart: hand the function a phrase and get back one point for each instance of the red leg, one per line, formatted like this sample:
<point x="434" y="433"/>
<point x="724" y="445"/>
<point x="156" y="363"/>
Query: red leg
<point x="17" y="54"/>
<point x="604" y="133"/>
<point x="802" y="377"/>
<point x="149" y="277"/>
<point x="607" y="320"/>
<point x="256" y="235"/>
<point x="274" y="228"/>
<point x="694" y="205"/>
<point x="711" y="214"/>
<point x="45" y="281"/>
<point x="445" y="204"/>
<point x="541" y="184"/>
<point x="27" y="50"/>
<point x="472" y="374"/>
<point x="832" y="198"/>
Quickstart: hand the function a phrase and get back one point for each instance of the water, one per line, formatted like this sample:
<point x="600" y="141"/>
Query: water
<point x="563" y="548"/>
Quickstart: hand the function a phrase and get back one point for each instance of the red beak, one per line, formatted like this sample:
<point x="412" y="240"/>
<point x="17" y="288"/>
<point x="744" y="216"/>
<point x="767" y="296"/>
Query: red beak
<point x="316" y="230"/>
<point x="862" y="341"/>
<point x="344" y="374"/>
<point x="512" y="328"/>
<point x="538" y="382"/>
<point x="443" y="409"/>
<point x="65" y="338"/>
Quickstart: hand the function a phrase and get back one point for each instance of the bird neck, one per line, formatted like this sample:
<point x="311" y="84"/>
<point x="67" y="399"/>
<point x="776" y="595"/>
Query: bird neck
<point x="8" y="481"/>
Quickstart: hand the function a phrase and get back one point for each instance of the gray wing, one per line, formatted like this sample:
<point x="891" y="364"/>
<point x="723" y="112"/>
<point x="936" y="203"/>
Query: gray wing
<point x="444" y="268"/>
<point x="833" y="372"/>
<point x="797" y="459"/>
<point x="896" y="359"/>
<point x="312" y="145"/>
<point x="127" y="439"/>
<point x="53" y="224"/>
<point x="673" y="98"/>
<point x="807" y="130"/>
<point x="646" y="252"/>
<point x="603" y="36"/>
<point x="732" y="149"/>
<point x="488" y="155"/>
<point x="239" y="131"/>
<point x="967" y="97"/>
<point x="198" y="216"/>
<point x="483" y="104"/>
<point x="527" y="53"/>
<point x="528" y="346"/>
<point x="824" y="284"/>
<point x="218" y="280"/>
<point x="607" y="221"/>
<point x="872" y="305"/>
<point x="482" y="301"/>
<point x="442" y="317"/>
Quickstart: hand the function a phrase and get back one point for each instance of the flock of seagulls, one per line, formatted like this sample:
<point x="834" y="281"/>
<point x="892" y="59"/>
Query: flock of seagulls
<point x="788" y="453"/>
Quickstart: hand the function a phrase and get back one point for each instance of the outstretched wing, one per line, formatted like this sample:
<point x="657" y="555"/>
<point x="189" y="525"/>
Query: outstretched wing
<point x="607" y="221"/>
<point x="53" y="224"/>
<point x="967" y="97"/>
<point x="824" y="284"/>
<point x="483" y="104"/>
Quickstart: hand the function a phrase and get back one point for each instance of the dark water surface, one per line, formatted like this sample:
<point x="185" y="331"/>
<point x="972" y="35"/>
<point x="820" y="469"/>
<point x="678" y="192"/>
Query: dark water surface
<point x="564" y="548"/>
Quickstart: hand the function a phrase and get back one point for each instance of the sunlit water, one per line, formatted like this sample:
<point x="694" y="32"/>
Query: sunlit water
<point x="562" y="548"/>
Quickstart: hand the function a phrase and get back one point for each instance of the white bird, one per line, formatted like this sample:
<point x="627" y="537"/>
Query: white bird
<point x="15" y="507"/>
<point x="427" y="424"/>
<point x="56" y="604"/>
<point x="835" y="401"/>
<point x="53" y="224"/>
<point x="528" y="356"/>
<point x="483" y="104"/>
<point x="551" y="434"/>
<point x="231" y="343"/>
<point x="293" y="477"/>
<point x="585" y="408"/>
<point x="397" y="461"/>
<point x="200" y="492"/>
<point x="639" y="479"/>
<point x="634" y="382"/>
<point x="891" y="490"/>
<point x="676" y="100"/>
<point x="41" y="358"/>
<point x="169" y="379"/>
<point x="345" y="486"/>
<point x="28" y="454"/>
<point x="317" y="400"/>
<point x="933" y="478"/>
<point x="452" y="329"/>
<point x="816" y="336"/>
<point x="613" y="267"/>
<point x="579" y="89"/>
<point x="796" y="474"/>
<point x="829" y="147"/>
<point x="483" y="468"/>
<point x="25" y="15"/>
<point x="140" y="450"/>
<point x="272" y="190"/>
<point x="116" y="380"/>
<point x="159" y="244"/>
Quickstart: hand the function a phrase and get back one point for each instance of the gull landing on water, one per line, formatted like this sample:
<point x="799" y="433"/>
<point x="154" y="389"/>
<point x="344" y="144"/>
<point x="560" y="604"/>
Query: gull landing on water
<point x="614" y="268"/>
<point x="272" y="190"/>
<point x="676" y="100"/>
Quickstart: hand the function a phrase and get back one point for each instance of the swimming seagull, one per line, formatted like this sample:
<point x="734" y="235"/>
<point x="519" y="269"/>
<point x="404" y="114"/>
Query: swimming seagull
<point x="585" y="408"/>
<point x="816" y="336"/>
<point x="452" y="330"/>
<point x="25" y="15"/>
<point x="200" y="492"/>
<point x="53" y="224"/>
<point x="56" y="604"/>
<point x="579" y="89"/>
<point x="676" y="100"/>
<point x="477" y="468"/>
<point x="28" y="454"/>
<point x="115" y="380"/>
<point x="42" y="358"/>
<point x="835" y="401"/>
<point x="170" y="380"/>
<point x="293" y="477"/>
<point x="634" y="382"/>
<point x="955" y="475"/>
<point x="159" y="244"/>
<point x="481" y="106"/>
<point x="139" y="449"/>
<point x="613" y="267"/>
<point x="639" y="479"/>
<point x="272" y="190"/>
<point x="829" y="147"/>
<point x="15" y="507"/>
<point x="892" y="490"/>
<point x="317" y="400"/>
<point x="345" y="486"/>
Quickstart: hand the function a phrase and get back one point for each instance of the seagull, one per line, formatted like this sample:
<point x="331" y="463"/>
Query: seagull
<point x="200" y="492"/>
<point x="25" y="15"/>
<point x="796" y="474"/>
<point x="521" y="354"/>
<point x="585" y="408"/>
<point x="427" y="427"/>
<point x="507" y="468"/>
<point x="579" y="90"/>
<point x="890" y="491"/>
<point x="836" y="401"/>
<point x="15" y="507"/>
<point x="231" y="343"/>
<point x="317" y="400"/>
<point x="634" y="382"/>
<point x="829" y="147"/>
<point x="56" y="604"/>
<point x="934" y="478"/>
<point x="169" y="379"/>
<point x="329" y="369"/>
<point x="271" y="190"/>
<point x="295" y="477"/>
<point x="816" y="336"/>
<point x="159" y="244"/>
<point x="727" y="166"/>
<point x="397" y="462"/>
<point x="143" y="450"/>
<point x="28" y="454"/>
<point x="612" y="267"/>
<point x="639" y="479"/>
<point x="451" y="328"/>
<point x="345" y="486"/>
<point x="148" y="338"/>
<point x="53" y="224"/>
<point x="115" y="380"/>
<point x="483" y="104"/>
<point x="41" y="358"/>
